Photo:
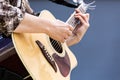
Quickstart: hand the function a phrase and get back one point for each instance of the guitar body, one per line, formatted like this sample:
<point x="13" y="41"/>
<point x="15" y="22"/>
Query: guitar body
<point x="40" y="56"/>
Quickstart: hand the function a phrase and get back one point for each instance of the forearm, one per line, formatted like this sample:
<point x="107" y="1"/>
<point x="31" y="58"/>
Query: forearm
<point x="75" y="38"/>
<point x="33" y="24"/>
<point x="72" y="41"/>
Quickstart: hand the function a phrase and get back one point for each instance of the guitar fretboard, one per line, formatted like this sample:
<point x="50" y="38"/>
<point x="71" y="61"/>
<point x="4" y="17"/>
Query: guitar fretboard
<point x="72" y="20"/>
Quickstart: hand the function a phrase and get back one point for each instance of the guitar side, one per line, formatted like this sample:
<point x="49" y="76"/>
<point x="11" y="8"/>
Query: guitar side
<point x="32" y="56"/>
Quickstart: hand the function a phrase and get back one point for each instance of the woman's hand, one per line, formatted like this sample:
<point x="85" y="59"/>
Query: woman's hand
<point x="60" y="31"/>
<point x="80" y="29"/>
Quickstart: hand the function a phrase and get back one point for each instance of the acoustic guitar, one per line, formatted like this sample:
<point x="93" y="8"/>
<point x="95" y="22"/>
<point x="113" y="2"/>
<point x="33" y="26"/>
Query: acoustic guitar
<point x="43" y="57"/>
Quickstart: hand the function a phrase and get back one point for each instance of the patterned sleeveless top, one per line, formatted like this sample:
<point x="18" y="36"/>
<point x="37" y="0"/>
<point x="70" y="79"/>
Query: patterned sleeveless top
<point x="11" y="14"/>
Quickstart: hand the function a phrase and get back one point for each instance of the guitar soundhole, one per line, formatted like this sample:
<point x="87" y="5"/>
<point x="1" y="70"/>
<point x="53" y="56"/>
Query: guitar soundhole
<point x="56" y="45"/>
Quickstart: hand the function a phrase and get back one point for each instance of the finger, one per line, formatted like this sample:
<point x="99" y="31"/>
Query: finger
<point x="84" y="16"/>
<point x="66" y="37"/>
<point x="69" y="33"/>
<point x="71" y="28"/>
<point x="80" y="18"/>
<point x="88" y="16"/>
<point x="77" y="11"/>
<point x="63" y="40"/>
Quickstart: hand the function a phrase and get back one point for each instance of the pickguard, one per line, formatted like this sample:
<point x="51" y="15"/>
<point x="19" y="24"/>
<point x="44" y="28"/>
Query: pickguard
<point x="63" y="63"/>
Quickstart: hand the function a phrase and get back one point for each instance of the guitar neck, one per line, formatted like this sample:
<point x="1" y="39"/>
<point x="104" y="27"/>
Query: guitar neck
<point x="72" y="20"/>
<point x="83" y="7"/>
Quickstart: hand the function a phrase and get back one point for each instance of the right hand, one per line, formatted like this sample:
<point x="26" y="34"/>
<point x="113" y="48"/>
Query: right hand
<point x="60" y="31"/>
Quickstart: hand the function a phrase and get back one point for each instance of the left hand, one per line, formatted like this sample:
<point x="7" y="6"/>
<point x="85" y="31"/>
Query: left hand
<point x="80" y="29"/>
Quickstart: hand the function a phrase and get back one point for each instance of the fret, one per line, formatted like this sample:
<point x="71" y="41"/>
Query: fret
<point x="72" y="20"/>
<point x="83" y="8"/>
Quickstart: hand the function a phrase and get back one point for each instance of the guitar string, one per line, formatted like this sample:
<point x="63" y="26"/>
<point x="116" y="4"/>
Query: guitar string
<point x="58" y="48"/>
<point x="55" y="43"/>
<point x="72" y="22"/>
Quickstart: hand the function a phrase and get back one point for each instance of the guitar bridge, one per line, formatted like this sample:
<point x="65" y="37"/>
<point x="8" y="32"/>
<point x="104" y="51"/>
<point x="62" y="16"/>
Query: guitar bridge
<point x="47" y="55"/>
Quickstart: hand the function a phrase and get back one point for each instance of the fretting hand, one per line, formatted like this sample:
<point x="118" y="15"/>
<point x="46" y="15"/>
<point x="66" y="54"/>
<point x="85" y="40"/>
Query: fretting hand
<point x="80" y="29"/>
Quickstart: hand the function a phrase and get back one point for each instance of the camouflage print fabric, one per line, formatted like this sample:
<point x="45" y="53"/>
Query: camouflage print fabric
<point x="11" y="14"/>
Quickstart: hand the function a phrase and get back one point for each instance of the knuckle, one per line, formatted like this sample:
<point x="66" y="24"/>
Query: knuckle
<point x="62" y="40"/>
<point x="87" y="25"/>
<point x="70" y="33"/>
